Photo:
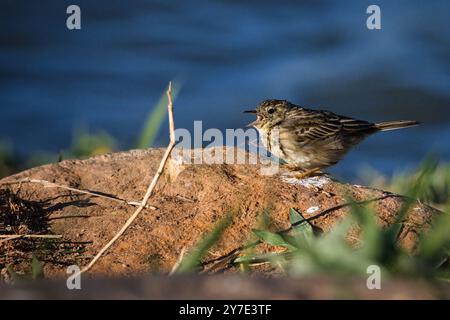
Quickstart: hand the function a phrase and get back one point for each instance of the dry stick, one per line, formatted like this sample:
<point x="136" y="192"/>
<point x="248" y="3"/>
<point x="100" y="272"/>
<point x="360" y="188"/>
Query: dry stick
<point x="8" y="237"/>
<point x="178" y="262"/>
<point x="150" y="187"/>
<point x="52" y="184"/>
<point x="31" y="235"/>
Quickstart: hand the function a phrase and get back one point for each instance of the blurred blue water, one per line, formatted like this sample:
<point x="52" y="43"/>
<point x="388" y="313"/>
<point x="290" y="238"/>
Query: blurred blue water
<point x="229" y="55"/>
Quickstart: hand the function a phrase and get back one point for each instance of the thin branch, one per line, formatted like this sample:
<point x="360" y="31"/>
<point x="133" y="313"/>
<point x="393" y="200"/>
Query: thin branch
<point x="150" y="187"/>
<point x="95" y="194"/>
<point x="31" y="235"/>
<point x="178" y="262"/>
<point x="7" y="237"/>
<point x="10" y="237"/>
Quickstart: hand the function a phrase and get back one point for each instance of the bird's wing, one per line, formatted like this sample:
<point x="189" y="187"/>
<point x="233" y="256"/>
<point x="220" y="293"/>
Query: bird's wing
<point x="313" y="126"/>
<point x="351" y="125"/>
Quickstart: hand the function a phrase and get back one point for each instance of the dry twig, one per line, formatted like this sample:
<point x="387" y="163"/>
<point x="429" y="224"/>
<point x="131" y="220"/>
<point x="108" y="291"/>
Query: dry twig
<point x="7" y="237"/>
<point x="150" y="187"/>
<point x="178" y="262"/>
<point x="95" y="194"/>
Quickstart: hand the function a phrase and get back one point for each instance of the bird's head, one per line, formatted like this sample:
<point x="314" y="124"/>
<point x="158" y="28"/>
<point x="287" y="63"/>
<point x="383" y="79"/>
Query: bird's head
<point x="269" y="113"/>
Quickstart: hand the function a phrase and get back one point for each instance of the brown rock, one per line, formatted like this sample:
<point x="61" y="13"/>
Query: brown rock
<point x="187" y="208"/>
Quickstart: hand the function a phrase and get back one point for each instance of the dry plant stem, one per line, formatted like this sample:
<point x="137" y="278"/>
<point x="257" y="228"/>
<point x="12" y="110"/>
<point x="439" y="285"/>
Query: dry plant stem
<point x="52" y="184"/>
<point x="150" y="187"/>
<point x="7" y="237"/>
<point x="31" y="235"/>
<point x="10" y="237"/>
<point x="178" y="262"/>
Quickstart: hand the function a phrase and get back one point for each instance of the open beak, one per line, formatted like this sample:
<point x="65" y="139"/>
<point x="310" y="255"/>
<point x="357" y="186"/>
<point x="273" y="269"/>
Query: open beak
<point x="251" y="124"/>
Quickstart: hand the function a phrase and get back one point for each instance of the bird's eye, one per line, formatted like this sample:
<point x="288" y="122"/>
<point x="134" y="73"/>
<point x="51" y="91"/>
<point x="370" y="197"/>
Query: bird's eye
<point x="271" y="110"/>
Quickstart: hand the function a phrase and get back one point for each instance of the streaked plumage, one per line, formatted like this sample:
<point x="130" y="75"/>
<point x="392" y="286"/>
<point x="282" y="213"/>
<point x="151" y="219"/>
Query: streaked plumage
<point x="312" y="139"/>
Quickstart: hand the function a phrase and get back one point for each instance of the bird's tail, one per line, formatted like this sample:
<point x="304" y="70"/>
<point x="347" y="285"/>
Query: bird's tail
<point x="393" y="125"/>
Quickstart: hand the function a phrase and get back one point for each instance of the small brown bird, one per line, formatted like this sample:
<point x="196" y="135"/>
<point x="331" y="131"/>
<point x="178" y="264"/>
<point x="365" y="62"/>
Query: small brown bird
<point x="310" y="140"/>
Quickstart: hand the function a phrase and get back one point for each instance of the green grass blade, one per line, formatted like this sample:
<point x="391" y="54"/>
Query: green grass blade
<point x="86" y="144"/>
<point x="191" y="261"/>
<point x="271" y="257"/>
<point x="155" y="119"/>
<point x="36" y="268"/>
<point x="13" y="274"/>
<point x="415" y="192"/>
<point x="302" y="229"/>
<point x="273" y="238"/>
<point x="436" y="243"/>
<point x="371" y="233"/>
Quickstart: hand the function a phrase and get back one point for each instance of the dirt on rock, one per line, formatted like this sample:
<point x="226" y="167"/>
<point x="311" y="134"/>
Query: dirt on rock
<point x="187" y="208"/>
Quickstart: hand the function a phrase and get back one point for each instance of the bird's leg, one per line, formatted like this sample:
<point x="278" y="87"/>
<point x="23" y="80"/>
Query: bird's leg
<point x="292" y="167"/>
<point x="310" y="173"/>
<point x="300" y="172"/>
<point x="306" y="174"/>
